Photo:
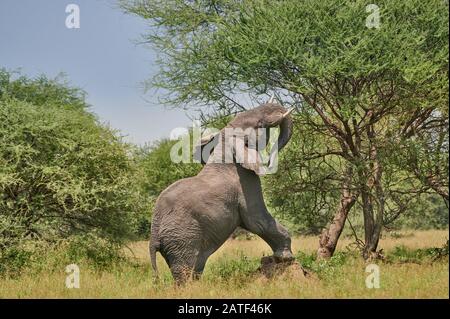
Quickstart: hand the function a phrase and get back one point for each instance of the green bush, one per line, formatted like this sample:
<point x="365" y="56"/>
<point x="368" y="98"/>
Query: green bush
<point x="402" y="254"/>
<point x="160" y="171"/>
<point x="88" y="251"/>
<point x="13" y="259"/>
<point x="62" y="173"/>
<point x="94" y="250"/>
<point x="324" y="269"/>
<point x="41" y="90"/>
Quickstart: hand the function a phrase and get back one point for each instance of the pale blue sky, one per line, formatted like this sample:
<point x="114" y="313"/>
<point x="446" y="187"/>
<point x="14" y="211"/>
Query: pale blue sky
<point x="101" y="57"/>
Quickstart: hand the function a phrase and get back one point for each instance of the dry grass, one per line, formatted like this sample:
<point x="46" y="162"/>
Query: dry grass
<point x="398" y="280"/>
<point x="309" y="244"/>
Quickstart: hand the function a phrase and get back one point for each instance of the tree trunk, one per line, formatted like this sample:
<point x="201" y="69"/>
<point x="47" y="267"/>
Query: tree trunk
<point x="372" y="224"/>
<point x="372" y="194"/>
<point x="330" y="236"/>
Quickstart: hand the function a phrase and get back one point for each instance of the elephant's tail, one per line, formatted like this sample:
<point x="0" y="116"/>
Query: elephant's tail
<point x="154" y="247"/>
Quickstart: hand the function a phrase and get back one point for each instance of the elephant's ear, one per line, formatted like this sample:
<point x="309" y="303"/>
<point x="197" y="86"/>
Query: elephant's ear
<point x="248" y="158"/>
<point x="205" y="146"/>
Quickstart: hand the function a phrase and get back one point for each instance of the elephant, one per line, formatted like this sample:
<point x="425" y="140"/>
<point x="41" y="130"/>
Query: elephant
<point x="194" y="216"/>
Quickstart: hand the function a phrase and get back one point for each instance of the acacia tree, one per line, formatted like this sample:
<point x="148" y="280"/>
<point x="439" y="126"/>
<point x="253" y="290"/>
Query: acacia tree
<point x="366" y="87"/>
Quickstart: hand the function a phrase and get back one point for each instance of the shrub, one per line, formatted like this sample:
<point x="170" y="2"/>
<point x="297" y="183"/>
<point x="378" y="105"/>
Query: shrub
<point x="160" y="171"/>
<point x="325" y="269"/>
<point x="62" y="173"/>
<point x="402" y="254"/>
<point x="41" y="90"/>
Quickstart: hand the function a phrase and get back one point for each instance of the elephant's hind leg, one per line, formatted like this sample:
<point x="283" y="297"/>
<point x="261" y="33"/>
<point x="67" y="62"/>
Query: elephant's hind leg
<point x="181" y="273"/>
<point x="183" y="267"/>
<point x="184" y="270"/>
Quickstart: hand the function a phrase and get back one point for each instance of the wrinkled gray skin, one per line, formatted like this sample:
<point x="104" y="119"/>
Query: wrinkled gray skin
<point x="194" y="216"/>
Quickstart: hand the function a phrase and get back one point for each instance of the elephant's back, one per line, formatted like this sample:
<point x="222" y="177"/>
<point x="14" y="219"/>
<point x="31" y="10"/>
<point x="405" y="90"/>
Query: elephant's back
<point x="169" y="199"/>
<point x="208" y="188"/>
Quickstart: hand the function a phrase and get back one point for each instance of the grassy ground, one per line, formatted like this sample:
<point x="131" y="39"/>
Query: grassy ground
<point x="410" y="271"/>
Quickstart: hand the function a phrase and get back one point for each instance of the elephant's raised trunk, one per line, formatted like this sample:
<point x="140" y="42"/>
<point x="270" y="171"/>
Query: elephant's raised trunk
<point x="285" y="130"/>
<point x="285" y="123"/>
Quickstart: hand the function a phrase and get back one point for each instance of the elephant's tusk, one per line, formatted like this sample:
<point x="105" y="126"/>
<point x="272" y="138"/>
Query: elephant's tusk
<point x="288" y="112"/>
<point x="271" y="99"/>
<point x="207" y="138"/>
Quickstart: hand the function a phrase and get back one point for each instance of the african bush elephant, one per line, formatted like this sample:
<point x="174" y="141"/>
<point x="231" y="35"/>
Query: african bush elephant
<point x="194" y="216"/>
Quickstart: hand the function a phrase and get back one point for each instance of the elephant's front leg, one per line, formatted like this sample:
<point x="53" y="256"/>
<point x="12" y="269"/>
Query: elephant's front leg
<point x="259" y="221"/>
